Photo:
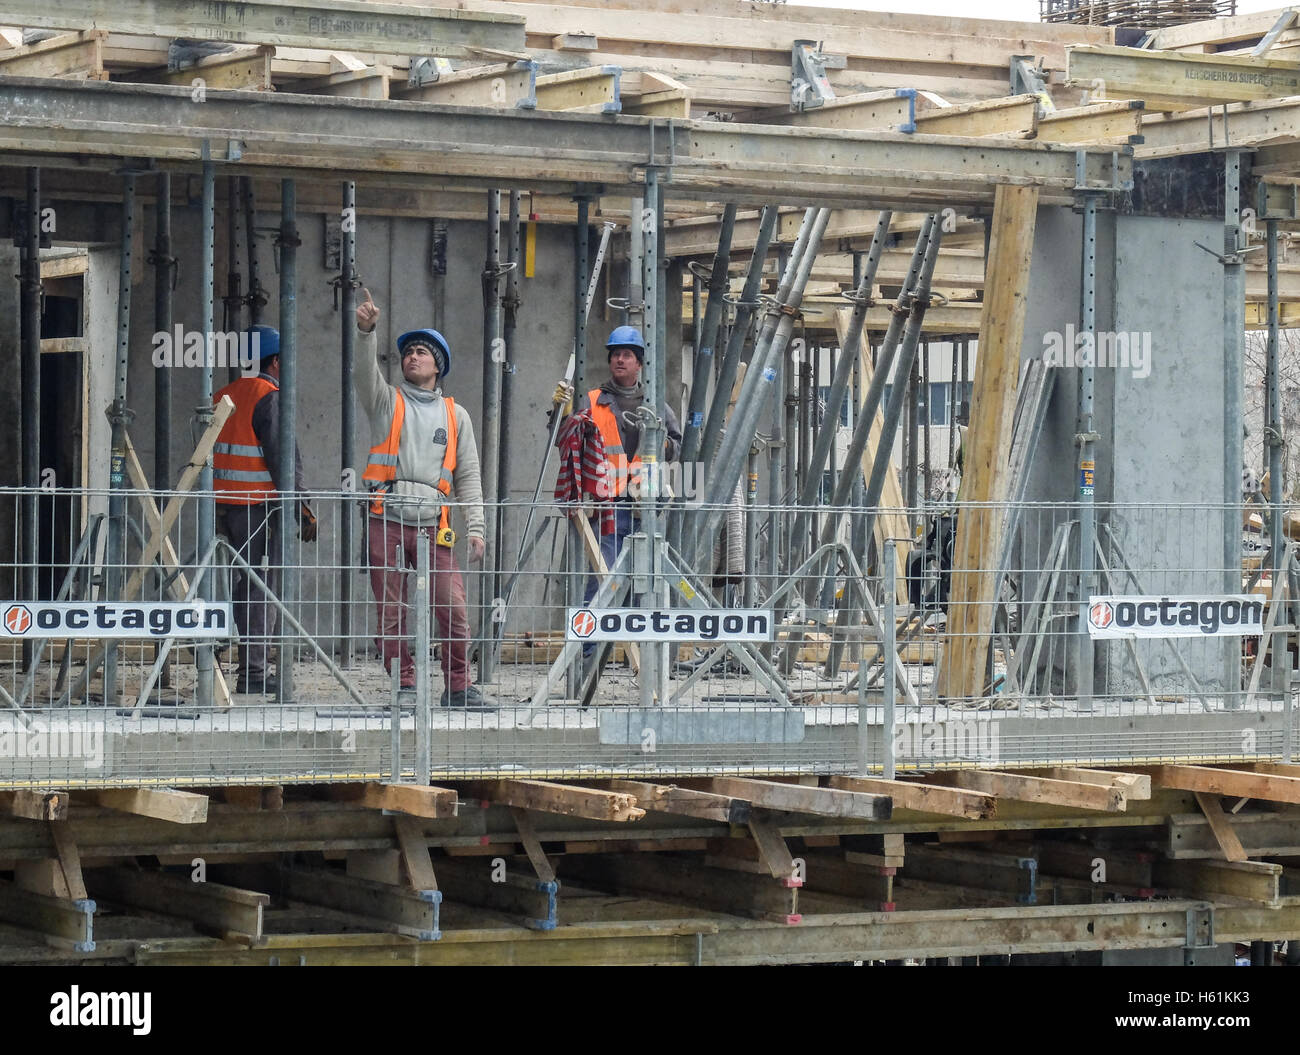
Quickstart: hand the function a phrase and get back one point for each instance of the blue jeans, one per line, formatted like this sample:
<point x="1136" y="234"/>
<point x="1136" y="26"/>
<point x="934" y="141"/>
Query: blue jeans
<point x="610" y="547"/>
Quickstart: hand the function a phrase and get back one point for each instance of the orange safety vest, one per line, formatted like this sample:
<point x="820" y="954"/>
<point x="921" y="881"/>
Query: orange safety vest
<point x="381" y="468"/>
<point x="621" y="470"/>
<point x="238" y="461"/>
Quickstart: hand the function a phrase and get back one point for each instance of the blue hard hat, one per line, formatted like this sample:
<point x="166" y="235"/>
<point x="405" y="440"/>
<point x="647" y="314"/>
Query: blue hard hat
<point x="626" y="337"/>
<point x="434" y="338"/>
<point x="267" y="340"/>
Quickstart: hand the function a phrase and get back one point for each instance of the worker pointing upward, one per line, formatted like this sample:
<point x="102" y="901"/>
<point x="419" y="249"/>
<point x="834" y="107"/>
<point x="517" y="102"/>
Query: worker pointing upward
<point x="422" y="454"/>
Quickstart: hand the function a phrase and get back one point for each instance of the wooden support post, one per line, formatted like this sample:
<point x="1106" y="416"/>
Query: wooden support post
<point x="225" y="912"/>
<point x="417" y="865"/>
<point x="557" y="798"/>
<point x="772" y="850"/>
<point x="533" y="848"/>
<point x="164" y="804"/>
<point x="686" y="802"/>
<point x="69" y="859"/>
<point x="979" y="530"/>
<point x="924" y="798"/>
<point x="1221" y="826"/>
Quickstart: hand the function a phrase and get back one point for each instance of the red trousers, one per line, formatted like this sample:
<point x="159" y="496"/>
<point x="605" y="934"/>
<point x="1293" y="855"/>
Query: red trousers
<point x="388" y="569"/>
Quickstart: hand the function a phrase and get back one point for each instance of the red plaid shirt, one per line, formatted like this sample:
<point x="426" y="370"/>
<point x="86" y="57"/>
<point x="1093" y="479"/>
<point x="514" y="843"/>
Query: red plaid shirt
<point x="583" y="467"/>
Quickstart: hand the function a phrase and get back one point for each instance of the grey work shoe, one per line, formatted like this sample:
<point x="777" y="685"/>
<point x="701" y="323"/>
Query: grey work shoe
<point x="469" y="698"/>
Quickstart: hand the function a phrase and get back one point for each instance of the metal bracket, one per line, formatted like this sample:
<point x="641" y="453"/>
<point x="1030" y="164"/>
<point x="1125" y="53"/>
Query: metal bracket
<point x="1200" y="927"/>
<point x="1270" y="38"/>
<point x="1030" y="865"/>
<point x="427" y="70"/>
<point x="809" y="85"/>
<point x="1239" y="257"/>
<point x="185" y="52"/>
<point x="1027" y="78"/>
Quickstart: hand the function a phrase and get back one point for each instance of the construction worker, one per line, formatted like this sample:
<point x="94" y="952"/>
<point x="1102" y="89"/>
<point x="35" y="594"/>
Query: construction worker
<point x="245" y="476"/>
<point x="422" y="454"/>
<point x="615" y="408"/>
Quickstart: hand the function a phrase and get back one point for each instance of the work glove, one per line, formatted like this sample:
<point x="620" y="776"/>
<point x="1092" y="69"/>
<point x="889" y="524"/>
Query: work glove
<point x="306" y="524"/>
<point x="563" y="397"/>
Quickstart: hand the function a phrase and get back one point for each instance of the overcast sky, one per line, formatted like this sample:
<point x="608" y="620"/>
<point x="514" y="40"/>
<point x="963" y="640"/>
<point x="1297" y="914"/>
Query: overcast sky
<point x="1014" y="10"/>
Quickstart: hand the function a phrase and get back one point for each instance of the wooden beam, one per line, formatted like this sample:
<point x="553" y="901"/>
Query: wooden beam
<point x="923" y="798"/>
<point x="969" y="868"/>
<point x="1036" y="789"/>
<point x="1221" y="826"/>
<point x="686" y="802"/>
<point x="1167" y="80"/>
<point x="243" y="70"/>
<point x="893" y="109"/>
<point x="1134" y="785"/>
<point x="1269" y="124"/>
<point x="772" y="850"/>
<point x="59" y="918"/>
<point x="503" y="886"/>
<point x="164" y="804"/>
<point x="395" y="909"/>
<point x="79" y="55"/>
<point x="413" y="799"/>
<point x="686" y="880"/>
<point x="35" y="805"/>
<point x="503" y="84"/>
<point x="1252" y="880"/>
<point x="1190" y="835"/>
<point x="528" y="837"/>
<point x="564" y="799"/>
<point x="226" y="912"/>
<point x="674" y="102"/>
<point x="65" y="847"/>
<point x="796" y="798"/>
<point x="1117" y="121"/>
<point x="594" y="90"/>
<point x="345" y="25"/>
<point x="369" y="82"/>
<point x="1015" y="116"/>
<point x="1234" y="782"/>
<point x="979" y="529"/>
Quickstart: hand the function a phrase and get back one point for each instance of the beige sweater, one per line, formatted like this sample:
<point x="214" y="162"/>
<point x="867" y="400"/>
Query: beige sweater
<point x="419" y="454"/>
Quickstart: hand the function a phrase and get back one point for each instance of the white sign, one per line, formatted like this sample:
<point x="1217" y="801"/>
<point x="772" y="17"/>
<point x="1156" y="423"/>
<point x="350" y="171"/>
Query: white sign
<point x="669" y="624"/>
<point x="116" y="619"/>
<point x="1230" y="616"/>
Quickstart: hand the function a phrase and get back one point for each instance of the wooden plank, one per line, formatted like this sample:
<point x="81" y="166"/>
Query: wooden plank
<point x="1190" y="835"/>
<point x="550" y="797"/>
<point x="795" y="798"/>
<point x="674" y="102"/>
<point x="78" y="55"/>
<point x="686" y="802"/>
<point x="1002" y="324"/>
<point x="35" y="805"/>
<point x="1221" y="826"/>
<point x="225" y="912"/>
<point x="369" y="82"/>
<point x="1234" y="782"/>
<point x="417" y="864"/>
<point x="968" y="868"/>
<point x="1015" y="116"/>
<point x="1174" y="80"/>
<point x="58" y="918"/>
<point x="1129" y="868"/>
<point x="503" y="886"/>
<point x="1036" y="789"/>
<point x="164" y="804"/>
<point x="772" y="850"/>
<point x="533" y="848"/>
<point x="501" y="84"/>
<point x="1216" y="31"/>
<point x="923" y="798"/>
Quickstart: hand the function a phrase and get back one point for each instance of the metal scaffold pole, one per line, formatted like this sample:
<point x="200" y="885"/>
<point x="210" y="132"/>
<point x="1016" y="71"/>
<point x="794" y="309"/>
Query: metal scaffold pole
<point x="120" y="417"/>
<point x="289" y="243"/>
<point x="204" y="661"/>
<point x="1273" y="449"/>
<point x="1086" y="440"/>
<point x="492" y="358"/>
<point x="348" y="284"/>
<point x="1234" y="326"/>
<point x="30" y="326"/>
<point x="654" y="658"/>
<point x="164" y="271"/>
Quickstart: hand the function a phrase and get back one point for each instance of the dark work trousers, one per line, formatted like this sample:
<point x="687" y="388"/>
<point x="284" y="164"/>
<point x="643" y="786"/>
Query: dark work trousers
<point x="254" y="533"/>
<point x="392" y="550"/>
<point x="610" y="547"/>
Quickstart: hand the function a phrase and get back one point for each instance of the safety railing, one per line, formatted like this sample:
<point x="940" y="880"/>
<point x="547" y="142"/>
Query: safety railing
<point x="581" y="647"/>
